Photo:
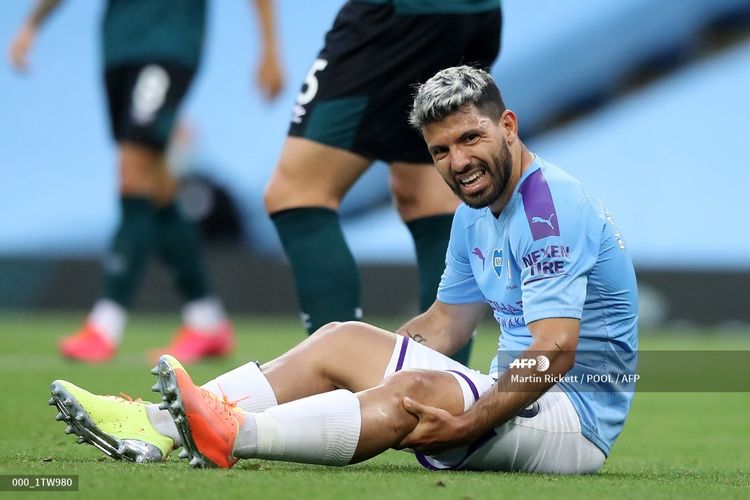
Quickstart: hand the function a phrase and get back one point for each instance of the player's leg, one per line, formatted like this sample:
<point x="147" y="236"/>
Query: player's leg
<point x="303" y="198"/>
<point x="315" y="384"/>
<point x="132" y="240"/>
<point x="545" y="438"/>
<point x="143" y="432"/>
<point x="127" y="257"/>
<point x="385" y="422"/>
<point x="341" y="427"/>
<point x="353" y="356"/>
<point x="135" y="236"/>
<point x="143" y="102"/>
<point x="426" y="204"/>
<point x="206" y="330"/>
<point x="332" y="428"/>
<point x="322" y="159"/>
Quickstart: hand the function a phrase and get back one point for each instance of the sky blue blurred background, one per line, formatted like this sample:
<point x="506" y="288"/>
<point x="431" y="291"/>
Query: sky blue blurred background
<point x="670" y="157"/>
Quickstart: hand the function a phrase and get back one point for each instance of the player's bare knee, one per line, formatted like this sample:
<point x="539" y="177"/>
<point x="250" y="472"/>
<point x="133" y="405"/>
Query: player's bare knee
<point x="351" y="338"/>
<point x="407" y="208"/>
<point x="412" y="383"/>
<point x="416" y="384"/>
<point x="133" y="185"/>
<point x="286" y="188"/>
<point x="334" y="336"/>
<point x="285" y="191"/>
<point x="404" y="197"/>
<point x="329" y="329"/>
<point x="341" y="331"/>
<point x="274" y="192"/>
<point x="414" y="204"/>
<point x="142" y="173"/>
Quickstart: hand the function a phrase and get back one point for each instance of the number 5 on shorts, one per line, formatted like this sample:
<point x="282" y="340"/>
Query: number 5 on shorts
<point x="311" y="82"/>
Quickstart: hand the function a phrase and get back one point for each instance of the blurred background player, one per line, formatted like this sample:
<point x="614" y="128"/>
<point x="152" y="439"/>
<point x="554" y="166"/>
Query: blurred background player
<point x="352" y="109"/>
<point x="151" y="50"/>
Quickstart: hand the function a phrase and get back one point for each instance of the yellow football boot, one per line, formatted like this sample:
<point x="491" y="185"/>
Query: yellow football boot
<point x="119" y="427"/>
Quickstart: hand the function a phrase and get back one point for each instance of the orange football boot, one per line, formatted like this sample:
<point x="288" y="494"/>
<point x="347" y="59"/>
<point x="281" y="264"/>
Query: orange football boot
<point x="207" y="423"/>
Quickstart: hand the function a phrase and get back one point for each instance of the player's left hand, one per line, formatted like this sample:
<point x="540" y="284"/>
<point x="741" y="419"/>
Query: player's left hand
<point x="437" y="429"/>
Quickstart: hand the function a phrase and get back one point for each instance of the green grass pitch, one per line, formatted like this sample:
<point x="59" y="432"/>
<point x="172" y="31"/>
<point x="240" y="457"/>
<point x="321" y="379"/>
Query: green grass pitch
<point x="673" y="446"/>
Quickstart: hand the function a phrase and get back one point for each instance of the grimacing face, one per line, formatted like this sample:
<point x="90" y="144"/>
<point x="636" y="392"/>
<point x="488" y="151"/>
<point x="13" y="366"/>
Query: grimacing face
<point x="471" y="153"/>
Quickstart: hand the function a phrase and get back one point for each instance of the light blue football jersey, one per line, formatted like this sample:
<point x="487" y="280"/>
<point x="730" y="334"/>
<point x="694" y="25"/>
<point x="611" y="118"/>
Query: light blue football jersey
<point x="554" y="252"/>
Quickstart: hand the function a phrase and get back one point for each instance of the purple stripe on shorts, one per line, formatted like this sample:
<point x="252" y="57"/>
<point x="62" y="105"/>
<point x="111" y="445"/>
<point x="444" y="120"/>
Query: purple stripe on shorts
<point x="481" y="441"/>
<point x="473" y="387"/>
<point x="472" y="448"/>
<point x="402" y="354"/>
<point x="422" y="459"/>
<point x="539" y="207"/>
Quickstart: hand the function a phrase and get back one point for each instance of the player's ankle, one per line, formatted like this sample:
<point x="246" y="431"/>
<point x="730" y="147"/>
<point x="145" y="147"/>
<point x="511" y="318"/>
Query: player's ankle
<point x="246" y="442"/>
<point x="162" y="423"/>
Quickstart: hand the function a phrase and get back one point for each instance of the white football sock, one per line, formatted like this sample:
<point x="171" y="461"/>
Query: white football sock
<point x="204" y="314"/>
<point x="321" y="429"/>
<point x="163" y="423"/>
<point x="246" y="385"/>
<point x="109" y="318"/>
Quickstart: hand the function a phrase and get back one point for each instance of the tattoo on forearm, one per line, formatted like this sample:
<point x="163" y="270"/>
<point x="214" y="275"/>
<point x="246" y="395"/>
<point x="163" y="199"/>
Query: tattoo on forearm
<point x="416" y="337"/>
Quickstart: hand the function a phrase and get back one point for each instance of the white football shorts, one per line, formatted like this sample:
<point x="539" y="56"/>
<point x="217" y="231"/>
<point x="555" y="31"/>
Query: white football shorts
<point x="543" y="438"/>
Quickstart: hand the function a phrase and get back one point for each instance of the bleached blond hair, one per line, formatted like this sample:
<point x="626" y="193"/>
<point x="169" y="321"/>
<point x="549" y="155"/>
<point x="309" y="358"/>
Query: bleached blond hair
<point x="452" y="88"/>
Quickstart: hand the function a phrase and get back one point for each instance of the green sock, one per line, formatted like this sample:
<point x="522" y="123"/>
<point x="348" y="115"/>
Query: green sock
<point x="180" y="247"/>
<point x="431" y="236"/>
<point x="325" y="274"/>
<point x="130" y="248"/>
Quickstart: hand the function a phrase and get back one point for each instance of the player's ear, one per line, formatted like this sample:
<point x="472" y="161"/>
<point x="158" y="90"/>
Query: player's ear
<point x="509" y="123"/>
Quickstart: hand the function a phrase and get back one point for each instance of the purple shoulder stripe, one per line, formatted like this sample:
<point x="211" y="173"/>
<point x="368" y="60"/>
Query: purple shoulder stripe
<point x="539" y="207"/>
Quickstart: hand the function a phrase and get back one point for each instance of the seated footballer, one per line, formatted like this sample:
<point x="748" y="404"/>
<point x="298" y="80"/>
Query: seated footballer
<point x="527" y="240"/>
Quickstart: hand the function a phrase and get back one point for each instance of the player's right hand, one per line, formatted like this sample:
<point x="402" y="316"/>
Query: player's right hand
<point x="269" y="76"/>
<point x="20" y="48"/>
<point x="436" y="431"/>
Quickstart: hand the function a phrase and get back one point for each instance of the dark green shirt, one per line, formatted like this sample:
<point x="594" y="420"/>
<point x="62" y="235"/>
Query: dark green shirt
<point x="415" y="7"/>
<point x="141" y="31"/>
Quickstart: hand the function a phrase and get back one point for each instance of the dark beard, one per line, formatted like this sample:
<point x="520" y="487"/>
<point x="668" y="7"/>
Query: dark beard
<point x="500" y="174"/>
